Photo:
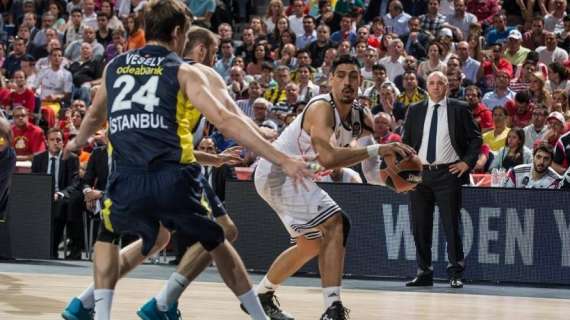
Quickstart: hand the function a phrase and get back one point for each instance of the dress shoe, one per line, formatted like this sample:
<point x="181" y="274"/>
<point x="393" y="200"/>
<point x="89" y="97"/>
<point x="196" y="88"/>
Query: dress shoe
<point x="456" y="283"/>
<point x="421" y="281"/>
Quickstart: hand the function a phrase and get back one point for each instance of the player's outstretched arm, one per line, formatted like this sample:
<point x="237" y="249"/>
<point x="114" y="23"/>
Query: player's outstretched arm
<point x="196" y="85"/>
<point x="319" y="121"/>
<point x="221" y="92"/>
<point x="230" y="156"/>
<point x="93" y="121"/>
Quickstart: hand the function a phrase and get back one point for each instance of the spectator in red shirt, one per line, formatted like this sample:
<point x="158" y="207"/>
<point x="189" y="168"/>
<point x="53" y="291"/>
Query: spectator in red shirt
<point x="4" y="92"/>
<point x="482" y="115"/>
<point x="490" y="66"/>
<point x="22" y="95"/>
<point x="28" y="138"/>
<point x="519" y="110"/>
<point x="484" y="10"/>
<point x="383" y="129"/>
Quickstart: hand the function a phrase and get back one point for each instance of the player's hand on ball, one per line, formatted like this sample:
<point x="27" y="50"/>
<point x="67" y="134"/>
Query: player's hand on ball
<point x="402" y="149"/>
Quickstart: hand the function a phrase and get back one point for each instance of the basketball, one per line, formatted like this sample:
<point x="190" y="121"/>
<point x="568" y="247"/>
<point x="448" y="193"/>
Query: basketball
<point x="399" y="174"/>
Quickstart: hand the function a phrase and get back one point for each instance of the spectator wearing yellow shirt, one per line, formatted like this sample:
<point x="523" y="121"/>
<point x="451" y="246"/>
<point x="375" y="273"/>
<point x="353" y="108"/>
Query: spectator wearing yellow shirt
<point x="278" y="93"/>
<point x="497" y="137"/>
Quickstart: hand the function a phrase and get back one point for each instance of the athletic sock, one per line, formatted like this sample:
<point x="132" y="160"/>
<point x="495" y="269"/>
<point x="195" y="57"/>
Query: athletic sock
<point x="171" y="291"/>
<point x="86" y="297"/>
<point x="266" y="286"/>
<point x="331" y="294"/>
<point x="251" y="303"/>
<point x="103" y="301"/>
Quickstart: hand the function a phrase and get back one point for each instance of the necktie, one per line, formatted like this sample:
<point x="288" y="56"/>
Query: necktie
<point x="53" y="172"/>
<point x="207" y="172"/>
<point x="432" y="136"/>
<point x="52" y="166"/>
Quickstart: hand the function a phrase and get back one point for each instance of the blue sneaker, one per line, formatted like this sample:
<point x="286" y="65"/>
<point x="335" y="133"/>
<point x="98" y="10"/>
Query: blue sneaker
<point x="149" y="311"/>
<point x="173" y="312"/>
<point x="76" y="311"/>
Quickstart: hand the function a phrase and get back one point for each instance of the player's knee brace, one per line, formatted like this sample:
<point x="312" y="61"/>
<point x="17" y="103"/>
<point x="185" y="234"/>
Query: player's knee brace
<point x="345" y="228"/>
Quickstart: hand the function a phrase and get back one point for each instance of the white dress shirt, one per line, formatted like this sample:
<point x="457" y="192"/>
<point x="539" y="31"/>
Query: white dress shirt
<point x="444" y="152"/>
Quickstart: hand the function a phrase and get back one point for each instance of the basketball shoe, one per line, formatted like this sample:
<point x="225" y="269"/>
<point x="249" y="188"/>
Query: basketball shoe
<point x="149" y="311"/>
<point x="270" y="306"/>
<point x="336" y="312"/>
<point x="76" y="311"/>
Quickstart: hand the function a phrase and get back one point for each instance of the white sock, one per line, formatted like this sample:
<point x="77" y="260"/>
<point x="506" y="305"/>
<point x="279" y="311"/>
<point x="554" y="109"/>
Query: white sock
<point x="86" y="297"/>
<point x="331" y="294"/>
<point x="103" y="301"/>
<point x="266" y="286"/>
<point x="251" y="303"/>
<point x="171" y="291"/>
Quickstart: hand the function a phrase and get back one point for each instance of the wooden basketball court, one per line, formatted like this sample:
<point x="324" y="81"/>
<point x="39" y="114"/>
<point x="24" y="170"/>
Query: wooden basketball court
<point x="32" y="296"/>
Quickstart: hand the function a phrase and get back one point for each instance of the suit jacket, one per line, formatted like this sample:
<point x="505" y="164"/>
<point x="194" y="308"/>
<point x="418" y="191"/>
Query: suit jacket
<point x="97" y="169"/>
<point x="464" y="133"/>
<point x="68" y="169"/>
<point x="417" y="49"/>
<point x="218" y="180"/>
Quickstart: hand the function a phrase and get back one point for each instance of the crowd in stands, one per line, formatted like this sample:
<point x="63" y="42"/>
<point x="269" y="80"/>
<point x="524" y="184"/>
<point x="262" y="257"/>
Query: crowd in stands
<point x="507" y="59"/>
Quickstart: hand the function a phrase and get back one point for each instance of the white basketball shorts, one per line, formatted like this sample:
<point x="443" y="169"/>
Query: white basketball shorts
<point x="302" y="209"/>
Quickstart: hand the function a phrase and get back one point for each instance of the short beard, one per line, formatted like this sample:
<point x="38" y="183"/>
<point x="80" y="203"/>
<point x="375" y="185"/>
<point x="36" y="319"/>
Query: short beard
<point x="538" y="171"/>
<point x="348" y="100"/>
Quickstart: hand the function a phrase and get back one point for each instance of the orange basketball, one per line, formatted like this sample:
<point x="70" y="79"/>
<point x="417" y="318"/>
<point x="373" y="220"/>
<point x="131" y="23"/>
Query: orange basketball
<point x="399" y="174"/>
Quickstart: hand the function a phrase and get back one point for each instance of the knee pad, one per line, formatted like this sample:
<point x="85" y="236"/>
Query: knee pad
<point x="107" y="236"/>
<point x="345" y="228"/>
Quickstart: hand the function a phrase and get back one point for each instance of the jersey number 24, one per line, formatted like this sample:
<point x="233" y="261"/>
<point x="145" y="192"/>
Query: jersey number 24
<point x="145" y="95"/>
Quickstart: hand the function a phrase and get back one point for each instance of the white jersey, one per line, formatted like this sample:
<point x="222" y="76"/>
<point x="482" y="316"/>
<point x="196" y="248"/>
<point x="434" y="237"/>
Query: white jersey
<point x="521" y="177"/>
<point x="302" y="211"/>
<point x="296" y="141"/>
<point x="348" y="176"/>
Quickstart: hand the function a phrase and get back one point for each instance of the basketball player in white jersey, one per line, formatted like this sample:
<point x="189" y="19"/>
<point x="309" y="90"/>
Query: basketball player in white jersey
<point x="316" y="223"/>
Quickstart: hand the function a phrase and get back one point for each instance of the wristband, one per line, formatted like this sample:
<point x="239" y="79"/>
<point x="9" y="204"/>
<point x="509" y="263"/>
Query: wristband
<point x="373" y="150"/>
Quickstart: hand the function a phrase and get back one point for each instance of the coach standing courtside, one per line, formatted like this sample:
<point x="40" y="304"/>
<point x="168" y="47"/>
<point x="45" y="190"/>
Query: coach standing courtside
<point x="448" y="143"/>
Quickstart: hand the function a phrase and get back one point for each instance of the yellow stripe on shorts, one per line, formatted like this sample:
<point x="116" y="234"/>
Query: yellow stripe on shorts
<point x="106" y="213"/>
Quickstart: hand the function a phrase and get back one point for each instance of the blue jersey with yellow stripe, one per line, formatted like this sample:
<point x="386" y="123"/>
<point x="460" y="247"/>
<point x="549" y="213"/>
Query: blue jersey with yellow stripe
<point x="150" y="119"/>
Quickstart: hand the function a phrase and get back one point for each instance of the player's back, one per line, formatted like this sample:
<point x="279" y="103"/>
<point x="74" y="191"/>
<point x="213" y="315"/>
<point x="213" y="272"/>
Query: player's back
<point x="150" y="119"/>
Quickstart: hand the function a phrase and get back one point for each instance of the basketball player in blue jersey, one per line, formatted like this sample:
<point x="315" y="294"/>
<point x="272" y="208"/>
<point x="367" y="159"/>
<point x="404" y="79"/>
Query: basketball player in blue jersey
<point x="201" y="48"/>
<point x="326" y="128"/>
<point x="154" y="179"/>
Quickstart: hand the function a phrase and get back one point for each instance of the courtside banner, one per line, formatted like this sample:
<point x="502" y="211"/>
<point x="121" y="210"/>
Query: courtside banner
<point x="508" y="235"/>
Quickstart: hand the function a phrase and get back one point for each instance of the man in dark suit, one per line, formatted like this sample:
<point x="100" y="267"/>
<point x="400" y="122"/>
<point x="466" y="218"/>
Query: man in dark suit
<point x="66" y="209"/>
<point x="416" y="41"/>
<point x="448" y="142"/>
